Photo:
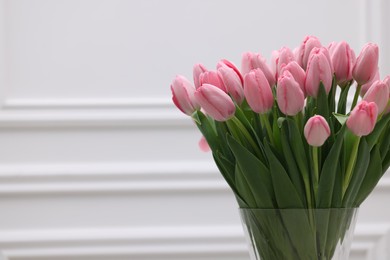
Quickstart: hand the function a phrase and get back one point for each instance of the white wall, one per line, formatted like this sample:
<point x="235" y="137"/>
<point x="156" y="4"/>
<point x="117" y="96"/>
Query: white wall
<point x="96" y="163"/>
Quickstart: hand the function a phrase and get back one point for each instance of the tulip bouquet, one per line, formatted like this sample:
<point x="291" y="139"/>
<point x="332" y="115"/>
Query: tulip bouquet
<point x="285" y="136"/>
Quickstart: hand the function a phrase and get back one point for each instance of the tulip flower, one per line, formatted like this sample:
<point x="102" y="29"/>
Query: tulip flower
<point x="303" y="53"/>
<point x="215" y="102"/>
<point x="183" y="95"/>
<point x="232" y="83"/>
<point x="274" y="61"/>
<point x="378" y="93"/>
<point x="366" y="64"/>
<point x="343" y="59"/>
<point x="362" y="119"/>
<point x="212" y="78"/>
<point x="251" y="61"/>
<point x="285" y="55"/>
<point x="291" y="99"/>
<point x="318" y="70"/>
<point x="297" y="72"/>
<point x="258" y="92"/>
<point x="226" y="63"/>
<point x="197" y="70"/>
<point x="203" y="145"/>
<point x="316" y="131"/>
<point x="387" y="81"/>
<point x="366" y="86"/>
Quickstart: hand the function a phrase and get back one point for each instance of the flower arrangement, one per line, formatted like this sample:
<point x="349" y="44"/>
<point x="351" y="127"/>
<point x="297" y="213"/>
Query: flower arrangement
<point x="284" y="135"/>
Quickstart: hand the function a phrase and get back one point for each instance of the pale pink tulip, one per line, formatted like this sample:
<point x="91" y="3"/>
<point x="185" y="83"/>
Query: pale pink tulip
<point x="215" y="102"/>
<point x="378" y="93"/>
<point x="226" y="63"/>
<point x="183" y="95"/>
<point x="343" y="58"/>
<point x="309" y="43"/>
<point x="211" y="77"/>
<point x="316" y="131"/>
<point x="251" y="61"/>
<point x="285" y="56"/>
<point x="366" y="64"/>
<point x="232" y="83"/>
<point x="318" y="70"/>
<point x="203" y="145"/>
<point x="362" y="119"/>
<point x="387" y="82"/>
<point x="290" y="97"/>
<point x="258" y="92"/>
<point x="366" y="86"/>
<point x="197" y="70"/>
<point x="297" y="72"/>
<point x="274" y="61"/>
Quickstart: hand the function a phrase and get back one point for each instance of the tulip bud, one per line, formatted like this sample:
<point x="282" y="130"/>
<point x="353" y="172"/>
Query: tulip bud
<point x="251" y="61"/>
<point x="309" y="43"/>
<point x="289" y="95"/>
<point x="226" y="63"/>
<point x="274" y="61"/>
<point x="343" y="58"/>
<point x="203" y="145"/>
<point x="366" y="86"/>
<point x="362" y="119"/>
<point x="318" y="70"/>
<point x="197" y="70"/>
<point x="232" y="83"/>
<point x="212" y="78"/>
<point x="316" y="131"/>
<point x="378" y="93"/>
<point x="387" y="82"/>
<point x="215" y="102"/>
<point x="258" y="92"/>
<point x="183" y="95"/>
<point x="297" y="72"/>
<point x="285" y="56"/>
<point x="366" y="64"/>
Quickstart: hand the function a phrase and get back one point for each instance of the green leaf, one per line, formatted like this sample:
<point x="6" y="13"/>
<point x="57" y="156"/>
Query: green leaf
<point x="322" y="102"/>
<point x="285" y="192"/>
<point x="244" y="189"/>
<point x="359" y="171"/>
<point x="372" y="177"/>
<point x="280" y="121"/>
<point x="373" y="137"/>
<point x="340" y="118"/>
<point x="328" y="173"/>
<point x="342" y="104"/>
<point x="292" y="167"/>
<point x="207" y="129"/>
<point x="254" y="171"/>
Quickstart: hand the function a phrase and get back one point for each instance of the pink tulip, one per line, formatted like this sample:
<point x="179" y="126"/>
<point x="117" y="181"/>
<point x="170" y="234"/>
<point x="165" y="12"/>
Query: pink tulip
<point x="226" y="63"/>
<point x="378" y="93"/>
<point x="387" y="82"/>
<point x="309" y="43"/>
<point x="203" y="145"/>
<point x="289" y="95"/>
<point x="366" y="86"/>
<point x="316" y="131"/>
<point x="366" y="64"/>
<point x="183" y="95"/>
<point x="285" y="56"/>
<point x="297" y="72"/>
<point x="258" y="92"/>
<point x="215" y="102"/>
<point x="343" y="58"/>
<point x="318" y="70"/>
<point x="212" y="78"/>
<point x="232" y="83"/>
<point x="274" y="61"/>
<point x="197" y="70"/>
<point x="251" y="61"/>
<point x="362" y="119"/>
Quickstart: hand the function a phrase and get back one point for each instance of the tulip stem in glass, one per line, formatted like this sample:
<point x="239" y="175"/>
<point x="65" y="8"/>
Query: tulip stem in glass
<point x="355" y="98"/>
<point x="264" y="120"/>
<point x="351" y="164"/>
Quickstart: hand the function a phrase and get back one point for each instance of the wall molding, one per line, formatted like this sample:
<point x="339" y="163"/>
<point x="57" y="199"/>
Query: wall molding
<point x="219" y="242"/>
<point x="116" y="177"/>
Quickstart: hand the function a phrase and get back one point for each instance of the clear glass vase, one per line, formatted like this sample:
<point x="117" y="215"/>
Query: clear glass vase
<point x="299" y="234"/>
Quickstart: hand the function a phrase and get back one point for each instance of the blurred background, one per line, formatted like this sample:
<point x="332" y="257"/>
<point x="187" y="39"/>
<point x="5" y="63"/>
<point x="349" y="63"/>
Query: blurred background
<point x="96" y="162"/>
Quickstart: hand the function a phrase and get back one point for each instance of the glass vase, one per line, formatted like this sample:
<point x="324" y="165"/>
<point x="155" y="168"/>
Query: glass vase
<point x="299" y="234"/>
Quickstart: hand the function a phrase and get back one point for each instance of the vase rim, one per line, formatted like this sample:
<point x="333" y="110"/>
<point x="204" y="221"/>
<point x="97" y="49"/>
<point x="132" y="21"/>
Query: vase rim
<point x="332" y="208"/>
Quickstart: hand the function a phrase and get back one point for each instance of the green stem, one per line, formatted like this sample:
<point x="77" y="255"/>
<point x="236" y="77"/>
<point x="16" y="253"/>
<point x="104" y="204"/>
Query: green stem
<point x="316" y="171"/>
<point x="244" y="132"/>
<point x="351" y="165"/>
<point x="265" y="121"/>
<point x="355" y="98"/>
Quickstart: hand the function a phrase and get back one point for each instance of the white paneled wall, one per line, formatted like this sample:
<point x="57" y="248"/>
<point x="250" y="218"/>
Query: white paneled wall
<point x="96" y="163"/>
